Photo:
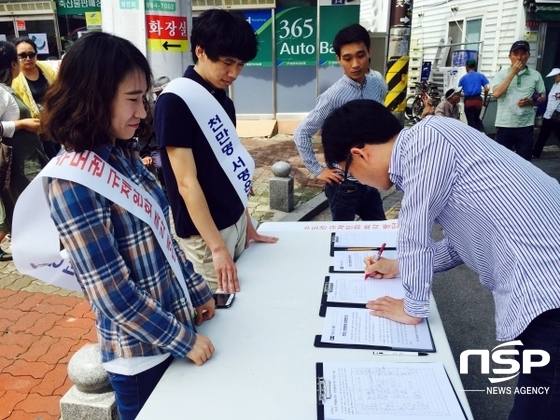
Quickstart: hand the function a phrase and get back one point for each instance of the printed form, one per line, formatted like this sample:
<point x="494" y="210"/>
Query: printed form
<point x="354" y="289"/>
<point x="353" y="261"/>
<point x="372" y="238"/>
<point x="388" y="391"/>
<point x="349" y="326"/>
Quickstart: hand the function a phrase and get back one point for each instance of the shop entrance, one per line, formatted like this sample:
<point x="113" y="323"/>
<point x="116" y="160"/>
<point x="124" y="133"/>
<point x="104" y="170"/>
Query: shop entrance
<point x="42" y="28"/>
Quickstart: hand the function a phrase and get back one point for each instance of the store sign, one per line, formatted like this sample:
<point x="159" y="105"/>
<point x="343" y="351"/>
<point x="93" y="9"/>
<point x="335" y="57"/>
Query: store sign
<point x="167" y="33"/>
<point x="129" y="4"/>
<point x="333" y="19"/>
<point x="93" y="20"/>
<point x="41" y="41"/>
<point x="77" y="7"/>
<point x="160" y="6"/>
<point x="296" y="37"/>
<point x="261" y="22"/>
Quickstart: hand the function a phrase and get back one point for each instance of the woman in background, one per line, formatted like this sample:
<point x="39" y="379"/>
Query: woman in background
<point x="32" y="83"/>
<point x="19" y="130"/>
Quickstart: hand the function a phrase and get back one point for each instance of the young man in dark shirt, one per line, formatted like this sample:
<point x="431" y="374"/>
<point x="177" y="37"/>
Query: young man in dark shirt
<point x="211" y="219"/>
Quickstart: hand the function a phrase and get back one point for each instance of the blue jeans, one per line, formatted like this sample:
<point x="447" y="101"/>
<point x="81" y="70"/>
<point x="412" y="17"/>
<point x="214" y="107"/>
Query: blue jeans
<point x="132" y="392"/>
<point x="519" y="138"/>
<point x="351" y="198"/>
<point x="543" y="333"/>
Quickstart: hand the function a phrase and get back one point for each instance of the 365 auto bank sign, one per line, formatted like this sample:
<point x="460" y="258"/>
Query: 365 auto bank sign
<point x="531" y="359"/>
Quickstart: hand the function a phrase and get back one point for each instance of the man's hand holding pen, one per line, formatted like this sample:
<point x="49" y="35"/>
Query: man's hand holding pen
<point x="381" y="268"/>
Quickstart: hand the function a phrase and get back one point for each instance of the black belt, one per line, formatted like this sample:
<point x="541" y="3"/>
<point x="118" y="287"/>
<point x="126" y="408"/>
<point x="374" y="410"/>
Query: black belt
<point x="473" y="97"/>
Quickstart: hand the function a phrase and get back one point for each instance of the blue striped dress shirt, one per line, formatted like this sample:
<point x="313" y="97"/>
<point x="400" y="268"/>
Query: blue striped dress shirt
<point x="343" y="91"/>
<point x="499" y="213"/>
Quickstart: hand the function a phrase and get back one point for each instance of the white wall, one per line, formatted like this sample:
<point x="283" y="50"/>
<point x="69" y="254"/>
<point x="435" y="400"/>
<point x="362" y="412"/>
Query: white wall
<point x="503" y="22"/>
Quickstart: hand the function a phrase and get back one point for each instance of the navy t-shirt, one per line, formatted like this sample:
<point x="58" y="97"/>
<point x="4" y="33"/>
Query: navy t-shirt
<point x="175" y="126"/>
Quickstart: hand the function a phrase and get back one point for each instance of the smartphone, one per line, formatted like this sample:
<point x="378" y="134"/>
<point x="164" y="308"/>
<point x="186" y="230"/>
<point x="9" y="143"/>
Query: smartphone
<point x="223" y="300"/>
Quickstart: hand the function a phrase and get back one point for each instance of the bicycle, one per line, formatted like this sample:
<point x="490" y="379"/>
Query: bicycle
<point x="416" y="103"/>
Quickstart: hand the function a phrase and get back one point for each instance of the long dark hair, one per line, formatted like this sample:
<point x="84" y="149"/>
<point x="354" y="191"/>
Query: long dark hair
<point x="77" y="106"/>
<point x="8" y="55"/>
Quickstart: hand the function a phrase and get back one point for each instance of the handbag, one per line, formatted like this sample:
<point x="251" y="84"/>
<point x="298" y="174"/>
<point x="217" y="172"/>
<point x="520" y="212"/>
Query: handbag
<point x="555" y="117"/>
<point x="5" y="163"/>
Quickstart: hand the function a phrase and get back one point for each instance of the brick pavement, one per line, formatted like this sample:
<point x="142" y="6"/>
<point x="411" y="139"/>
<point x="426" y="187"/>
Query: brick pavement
<point x="42" y="326"/>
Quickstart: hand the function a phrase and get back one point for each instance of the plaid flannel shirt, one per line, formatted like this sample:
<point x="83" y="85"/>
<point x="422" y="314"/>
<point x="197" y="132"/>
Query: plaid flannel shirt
<point x="139" y="305"/>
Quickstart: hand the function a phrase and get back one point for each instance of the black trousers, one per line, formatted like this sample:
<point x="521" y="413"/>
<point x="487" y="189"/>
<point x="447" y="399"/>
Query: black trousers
<point x="548" y="126"/>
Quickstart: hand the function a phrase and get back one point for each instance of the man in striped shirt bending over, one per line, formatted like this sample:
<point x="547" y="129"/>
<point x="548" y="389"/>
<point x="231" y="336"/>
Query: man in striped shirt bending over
<point x="499" y="214"/>
<point x="347" y="197"/>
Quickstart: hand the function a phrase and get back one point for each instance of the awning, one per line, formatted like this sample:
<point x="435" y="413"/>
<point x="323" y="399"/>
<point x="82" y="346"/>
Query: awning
<point x="548" y="12"/>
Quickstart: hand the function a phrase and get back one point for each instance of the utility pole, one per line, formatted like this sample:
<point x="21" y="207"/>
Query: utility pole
<point x="397" y="56"/>
<point x="160" y="29"/>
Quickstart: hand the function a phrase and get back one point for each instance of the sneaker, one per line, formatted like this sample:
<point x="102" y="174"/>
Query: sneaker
<point x="5" y="257"/>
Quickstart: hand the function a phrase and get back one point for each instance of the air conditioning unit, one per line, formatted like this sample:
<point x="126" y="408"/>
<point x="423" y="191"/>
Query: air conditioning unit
<point x="28" y="8"/>
<point x="201" y="5"/>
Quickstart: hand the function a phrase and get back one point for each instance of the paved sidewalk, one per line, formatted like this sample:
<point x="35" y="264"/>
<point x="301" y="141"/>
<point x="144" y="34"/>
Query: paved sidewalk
<point x="42" y="326"/>
<point x="266" y="152"/>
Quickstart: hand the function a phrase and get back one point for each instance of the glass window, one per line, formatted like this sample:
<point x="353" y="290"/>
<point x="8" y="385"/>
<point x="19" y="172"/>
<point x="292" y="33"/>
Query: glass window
<point x="473" y="33"/>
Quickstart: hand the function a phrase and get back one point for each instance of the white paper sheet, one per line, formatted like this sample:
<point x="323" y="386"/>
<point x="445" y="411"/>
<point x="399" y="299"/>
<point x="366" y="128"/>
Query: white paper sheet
<point x="372" y="238"/>
<point x="388" y="391"/>
<point x="345" y="261"/>
<point x="356" y="326"/>
<point x="352" y="288"/>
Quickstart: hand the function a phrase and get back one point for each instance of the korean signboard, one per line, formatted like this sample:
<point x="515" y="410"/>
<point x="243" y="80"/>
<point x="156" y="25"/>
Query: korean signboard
<point x="77" y="7"/>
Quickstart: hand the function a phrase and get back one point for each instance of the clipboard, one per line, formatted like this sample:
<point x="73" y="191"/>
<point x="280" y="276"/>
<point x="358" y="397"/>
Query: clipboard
<point x="333" y="271"/>
<point x="318" y="343"/>
<point x="333" y="247"/>
<point x="324" y="391"/>
<point x="327" y="287"/>
<point x="352" y="260"/>
<point x="321" y="391"/>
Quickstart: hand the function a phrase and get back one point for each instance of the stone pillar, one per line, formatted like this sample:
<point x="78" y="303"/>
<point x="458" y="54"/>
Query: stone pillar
<point x="281" y="187"/>
<point x="91" y="396"/>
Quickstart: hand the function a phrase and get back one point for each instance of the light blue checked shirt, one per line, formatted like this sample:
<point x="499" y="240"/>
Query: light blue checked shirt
<point x="499" y="214"/>
<point x="343" y="91"/>
<point x="140" y="308"/>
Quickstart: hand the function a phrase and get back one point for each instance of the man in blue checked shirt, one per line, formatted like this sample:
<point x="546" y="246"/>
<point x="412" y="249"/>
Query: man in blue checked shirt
<point x="347" y="197"/>
<point x="499" y="214"/>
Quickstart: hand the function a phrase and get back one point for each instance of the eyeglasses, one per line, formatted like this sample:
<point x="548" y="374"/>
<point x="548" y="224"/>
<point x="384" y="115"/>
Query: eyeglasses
<point x="347" y="165"/>
<point x="24" y="56"/>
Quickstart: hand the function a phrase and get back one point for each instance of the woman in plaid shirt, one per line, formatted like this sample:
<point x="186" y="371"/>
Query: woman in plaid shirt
<point x="143" y="317"/>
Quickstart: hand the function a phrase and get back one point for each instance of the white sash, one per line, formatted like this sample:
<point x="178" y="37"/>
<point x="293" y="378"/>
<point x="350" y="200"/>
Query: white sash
<point x="220" y="132"/>
<point x="35" y="240"/>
